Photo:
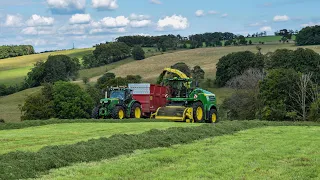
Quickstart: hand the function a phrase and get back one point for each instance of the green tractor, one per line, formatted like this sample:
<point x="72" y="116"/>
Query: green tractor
<point x="118" y="104"/>
<point x="186" y="103"/>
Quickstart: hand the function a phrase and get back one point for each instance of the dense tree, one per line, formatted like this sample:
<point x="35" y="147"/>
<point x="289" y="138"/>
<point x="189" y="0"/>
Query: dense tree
<point x="62" y="100"/>
<point x="301" y="60"/>
<point x="111" y="52"/>
<point x="56" y="68"/>
<point x="138" y="53"/>
<point x="235" y="64"/>
<point x="13" y="51"/>
<point x="308" y="36"/>
<point x="275" y="92"/>
<point x="183" y="67"/>
<point x="90" y="61"/>
<point x="197" y="74"/>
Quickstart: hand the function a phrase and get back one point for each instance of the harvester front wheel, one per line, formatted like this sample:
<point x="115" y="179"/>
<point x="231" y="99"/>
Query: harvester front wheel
<point x="198" y="112"/>
<point x="118" y="113"/>
<point x="136" y="111"/>
<point x="213" y="116"/>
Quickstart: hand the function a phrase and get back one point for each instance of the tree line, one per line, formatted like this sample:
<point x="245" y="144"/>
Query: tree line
<point x="277" y="86"/>
<point x="15" y="50"/>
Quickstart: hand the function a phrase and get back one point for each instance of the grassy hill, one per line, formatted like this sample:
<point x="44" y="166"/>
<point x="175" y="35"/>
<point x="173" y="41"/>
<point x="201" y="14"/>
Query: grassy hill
<point x="268" y="39"/>
<point x="205" y="57"/>
<point x="13" y="70"/>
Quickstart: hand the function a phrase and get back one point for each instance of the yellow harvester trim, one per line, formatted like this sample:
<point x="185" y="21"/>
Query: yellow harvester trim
<point x="179" y="73"/>
<point x="187" y="114"/>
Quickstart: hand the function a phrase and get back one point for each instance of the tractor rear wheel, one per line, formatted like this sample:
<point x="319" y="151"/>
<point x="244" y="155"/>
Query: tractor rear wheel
<point x="95" y="113"/>
<point x="118" y="112"/>
<point x="198" y="112"/>
<point x="213" y="116"/>
<point x="136" y="111"/>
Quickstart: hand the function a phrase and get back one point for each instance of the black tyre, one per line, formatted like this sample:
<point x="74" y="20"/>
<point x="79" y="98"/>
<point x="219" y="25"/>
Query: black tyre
<point x="213" y="116"/>
<point x="136" y="111"/>
<point x="95" y="113"/>
<point x="118" y="113"/>
<point x="198" y="112"/>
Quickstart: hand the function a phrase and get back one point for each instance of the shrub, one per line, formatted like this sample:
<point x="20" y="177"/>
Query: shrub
<point x="85" y="80"/>
<point x="2" y="121"/>
<point x="235" y="64"/>
<point x="62" y="100"/>
<point x="89" y="61"/>
<point x="70" y="101"/>
<point x="315" y="111"/>
<point x="138" y="53"/>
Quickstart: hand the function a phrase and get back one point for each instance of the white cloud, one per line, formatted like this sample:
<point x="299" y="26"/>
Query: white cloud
<point x="36" y="20"/>
<point x="37" y="31"/>
<point x="80" y="19"/>
<point x="174" y="22"/>
<point x="74" y="29"/>
<point x="266" y="28"/>
<point x="199" y="13"/>
<point x="66" y="6"/>
<point x="213" y="12"/>
<point x="111" y="22"/>
<point x="224" y="15"/>
<point x="139" y="24"/>
<point x="138" y="17"/>
<point x="106" y="30"/>
<point x="155" y="1"/>
<point x="280" y="18"/>
<point x="310" y="24"/>
<point x="105" y="4"/>
<point x="13" y="21"/>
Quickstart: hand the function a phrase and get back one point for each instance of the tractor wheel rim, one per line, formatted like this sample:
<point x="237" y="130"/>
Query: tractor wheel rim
<point x="137" y="113"/>
<point x="199" y="113"/>
<point x="214" y="118"/>
<point x="121" y="114"/>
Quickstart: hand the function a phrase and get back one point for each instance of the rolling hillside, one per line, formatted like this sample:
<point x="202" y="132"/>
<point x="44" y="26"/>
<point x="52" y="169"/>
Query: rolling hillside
<point x="207" y="58"/>
<point x="13" y="70"/>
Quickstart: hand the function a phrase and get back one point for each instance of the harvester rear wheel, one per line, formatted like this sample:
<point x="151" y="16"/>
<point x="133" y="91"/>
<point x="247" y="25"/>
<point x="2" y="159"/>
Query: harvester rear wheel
<point x="213" y="116"/>
<point x="136" y="111"/>
<point x="95" y="113"/>
<point x="118" y="113"/>
<point x="198" y="112"/>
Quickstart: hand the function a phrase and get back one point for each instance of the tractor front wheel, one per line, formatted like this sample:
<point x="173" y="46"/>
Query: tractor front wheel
<point x="213" y="116"/>
<point x="136" y="111"/>
<point x="198" y="112"/>
<point x="95" y="113"/>
<point x="118" y="113"/>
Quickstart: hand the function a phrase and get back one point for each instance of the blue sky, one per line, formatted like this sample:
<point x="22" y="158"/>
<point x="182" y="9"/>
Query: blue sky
<point x="57" y="24"/>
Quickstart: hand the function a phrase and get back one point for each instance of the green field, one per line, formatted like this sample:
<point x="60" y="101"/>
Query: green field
<point x="267" y="39"/>
<point x="261" y="153"/>
<point x="34" y="138"/>
<point x="13" y="70"/>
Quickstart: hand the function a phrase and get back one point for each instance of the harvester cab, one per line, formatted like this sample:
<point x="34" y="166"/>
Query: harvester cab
<point x="118" y="104"/>
<point x="186" y="103"/>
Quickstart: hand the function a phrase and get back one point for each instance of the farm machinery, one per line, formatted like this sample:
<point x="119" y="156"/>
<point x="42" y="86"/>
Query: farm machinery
<point x="175" y="99"/>
<point x="185" y="103"/>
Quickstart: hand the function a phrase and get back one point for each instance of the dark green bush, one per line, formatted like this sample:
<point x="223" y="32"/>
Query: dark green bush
<point x="308" y="36"/>
<point x="22" y="165"/>
<point x="138" y="53"/>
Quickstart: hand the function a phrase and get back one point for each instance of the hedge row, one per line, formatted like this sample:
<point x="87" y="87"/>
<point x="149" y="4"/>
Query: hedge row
<point x="33" y="123"/>
<point x="18" y="165"/>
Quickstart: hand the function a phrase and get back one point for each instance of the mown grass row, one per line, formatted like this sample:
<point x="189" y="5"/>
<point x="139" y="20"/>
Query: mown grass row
<point x="26" y="124"/>
<point x="18" y="165"/>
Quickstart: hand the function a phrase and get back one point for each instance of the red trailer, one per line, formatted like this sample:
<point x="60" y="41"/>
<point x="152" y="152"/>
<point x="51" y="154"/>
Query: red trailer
<point x="150" y="96"/>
